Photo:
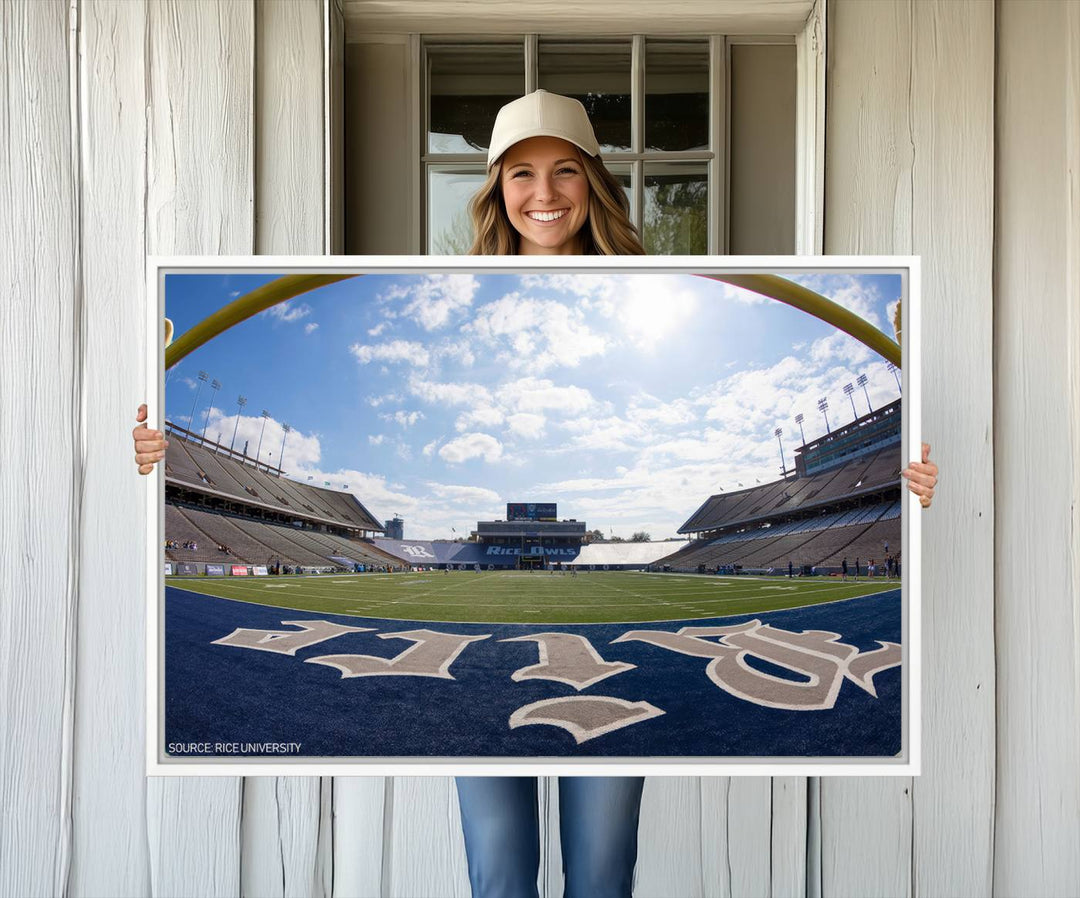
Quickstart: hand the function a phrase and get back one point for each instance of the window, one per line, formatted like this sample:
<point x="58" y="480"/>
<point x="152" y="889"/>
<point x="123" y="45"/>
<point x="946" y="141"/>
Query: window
<point x="660" y="108"/>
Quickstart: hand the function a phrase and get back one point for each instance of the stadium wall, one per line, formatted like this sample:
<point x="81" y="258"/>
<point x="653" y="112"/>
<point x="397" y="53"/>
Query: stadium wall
<point x="196" y="128"/>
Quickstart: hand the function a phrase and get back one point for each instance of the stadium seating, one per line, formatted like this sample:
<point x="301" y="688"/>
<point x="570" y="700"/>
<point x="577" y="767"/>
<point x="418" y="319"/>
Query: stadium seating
<point x="199" y="467"/>
<point x="820" y="541"/>
<point x="879" y="470"/>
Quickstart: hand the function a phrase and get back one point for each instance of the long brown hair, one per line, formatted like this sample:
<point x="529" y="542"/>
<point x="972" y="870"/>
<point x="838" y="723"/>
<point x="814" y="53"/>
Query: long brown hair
<point x="608" y="230"/>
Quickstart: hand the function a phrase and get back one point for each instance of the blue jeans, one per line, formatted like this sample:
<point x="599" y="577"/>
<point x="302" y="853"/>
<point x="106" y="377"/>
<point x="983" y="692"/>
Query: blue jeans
<point x="598" y="828"/>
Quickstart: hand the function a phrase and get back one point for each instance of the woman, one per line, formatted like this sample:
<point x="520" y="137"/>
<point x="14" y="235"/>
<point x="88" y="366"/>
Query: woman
<point x="548" y="193"/>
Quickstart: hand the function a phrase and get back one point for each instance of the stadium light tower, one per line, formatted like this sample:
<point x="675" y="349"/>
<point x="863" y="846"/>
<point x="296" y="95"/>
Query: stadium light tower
<point x="779" y="432"/>
<point x="823" y="407"/>
<point x="281" y="455"/>
<point x="892" y="370"/>
<point x="862" y="381"/>
<point x="215" y="385"/>
<point x="258" y="452"/>
<point x="241" y="402"/>
<point x="799" y="420"/>
<point x="848" y="390"/>
<point x="203" y="377"/>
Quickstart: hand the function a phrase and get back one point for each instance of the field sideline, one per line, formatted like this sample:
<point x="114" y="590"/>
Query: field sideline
<point x="520" y="597"/>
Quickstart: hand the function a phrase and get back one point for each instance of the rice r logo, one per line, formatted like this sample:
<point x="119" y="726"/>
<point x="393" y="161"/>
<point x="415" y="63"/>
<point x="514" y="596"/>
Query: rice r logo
<point x="817" y="657"/>
<point x="416" y="552"/>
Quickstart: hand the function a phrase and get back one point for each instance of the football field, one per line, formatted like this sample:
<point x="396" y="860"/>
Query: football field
<point x="531" y="597"/>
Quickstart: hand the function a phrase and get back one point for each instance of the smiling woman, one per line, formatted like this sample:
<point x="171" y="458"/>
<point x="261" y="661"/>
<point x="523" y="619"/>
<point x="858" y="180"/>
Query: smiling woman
<point x="547" y="191"/>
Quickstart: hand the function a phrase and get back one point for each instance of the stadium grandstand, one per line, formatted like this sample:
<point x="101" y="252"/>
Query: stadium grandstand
<point x="221" y="509"/>
<point x="841" y="502"/>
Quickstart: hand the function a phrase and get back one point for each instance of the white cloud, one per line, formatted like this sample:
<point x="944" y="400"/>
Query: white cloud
<point x="460" y="351"/>
<point x="530" y="394"/>
<point x="536" y="333"/>
<point x="449" y="393"/>
<point x="403" y="418"/>
<point x="461" y="493"/>
<point x="301" y="450"/>
<point x="287" y="312"/>
<point x="378" y="329"/>
<point x="310" y="327"/>
<point x="585" y="286"/>
<point x="376" y="401"/>
<point x="527" y="425"/>
<point x="482" y="416"/>
<point x="668" y="414"/>
<point x="377" y="439"/>
<point x="395" y="351"/>
<point x="435" y="299"/>
<point x="472" y="445"/>
<point x="429" y="449"/>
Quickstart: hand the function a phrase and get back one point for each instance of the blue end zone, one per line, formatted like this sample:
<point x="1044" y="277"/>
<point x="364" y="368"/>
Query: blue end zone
<point x="223" y="693"/>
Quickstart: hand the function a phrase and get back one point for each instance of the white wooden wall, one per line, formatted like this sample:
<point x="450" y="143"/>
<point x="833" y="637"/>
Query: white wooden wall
<point x="953" y="132"/>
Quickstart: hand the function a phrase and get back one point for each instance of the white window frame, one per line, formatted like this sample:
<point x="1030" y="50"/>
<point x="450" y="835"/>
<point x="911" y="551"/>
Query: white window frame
<point x="810" y="125"/>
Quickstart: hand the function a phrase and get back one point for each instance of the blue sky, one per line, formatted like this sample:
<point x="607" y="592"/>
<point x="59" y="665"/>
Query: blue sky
<point x="627" y="399"/>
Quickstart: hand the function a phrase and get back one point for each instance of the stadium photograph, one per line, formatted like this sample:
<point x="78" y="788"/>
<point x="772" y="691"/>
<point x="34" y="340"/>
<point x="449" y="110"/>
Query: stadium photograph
<point x="501" y="515"/>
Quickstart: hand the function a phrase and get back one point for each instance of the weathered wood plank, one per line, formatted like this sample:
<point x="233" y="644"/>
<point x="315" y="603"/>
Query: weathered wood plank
<point x="953" y="231"/>
<point x="789" y="836"/>
<point x="289" y="127"/>
<point x="670" y="838"/>
<point x="1037" y="380"/>
<point x="425" y="853"/>
<point x="199" y="200"/>
<point x="909" y="171"/>
<point x="200" y="188"/>
<point x="41" y="466"/>
<point x="736" y="820"/>
<point x="869" y="158"/>
<point x="362" y="805"/>
<point x="281" y="819"/>
<point x="280" y="837"/>
<point x="110" y="854"/>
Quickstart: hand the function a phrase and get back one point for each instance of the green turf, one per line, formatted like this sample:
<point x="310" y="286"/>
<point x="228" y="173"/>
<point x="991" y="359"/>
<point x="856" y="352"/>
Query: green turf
<point x="536" y="597"/>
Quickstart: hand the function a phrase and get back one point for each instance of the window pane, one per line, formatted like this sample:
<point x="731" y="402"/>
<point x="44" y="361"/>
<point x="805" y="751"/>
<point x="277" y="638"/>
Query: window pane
<point x="597" y="74"/>
<point x="449" y="191"/>
<point x="623" y="174"/>
<point x="467" y="85"/>
<point x="676" y="209"/>
<point x="676" y="95"/>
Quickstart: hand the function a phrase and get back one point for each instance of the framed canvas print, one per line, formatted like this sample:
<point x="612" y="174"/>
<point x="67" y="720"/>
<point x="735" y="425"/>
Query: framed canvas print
<point x="573" y="515"/>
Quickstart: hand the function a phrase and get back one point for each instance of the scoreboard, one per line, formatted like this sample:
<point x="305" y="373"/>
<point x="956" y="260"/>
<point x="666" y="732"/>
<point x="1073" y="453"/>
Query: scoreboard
<point x="531" y="511"/>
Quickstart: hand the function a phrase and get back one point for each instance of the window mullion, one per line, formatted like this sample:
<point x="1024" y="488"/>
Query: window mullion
<point x="532" y="62"/>
<point x="637" y="128"/>
<point x="718" y="131"/>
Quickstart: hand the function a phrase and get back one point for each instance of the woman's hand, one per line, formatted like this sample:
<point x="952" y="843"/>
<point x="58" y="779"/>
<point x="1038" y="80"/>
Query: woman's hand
<point x="922" y="477"/>
<point x="149" y="444"/>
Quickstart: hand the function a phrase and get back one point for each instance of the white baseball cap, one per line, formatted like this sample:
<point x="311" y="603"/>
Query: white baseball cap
<point x="541" y="114"/>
